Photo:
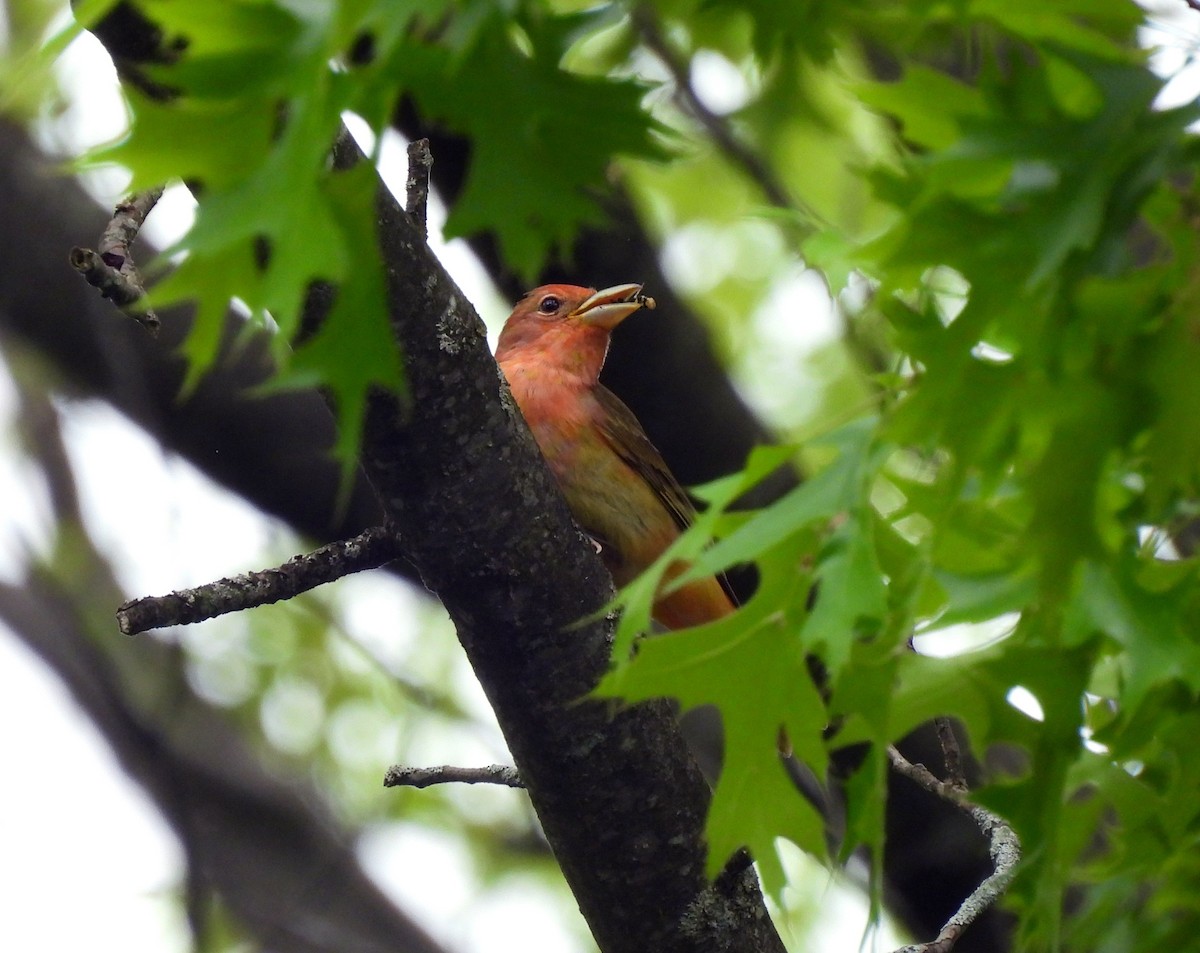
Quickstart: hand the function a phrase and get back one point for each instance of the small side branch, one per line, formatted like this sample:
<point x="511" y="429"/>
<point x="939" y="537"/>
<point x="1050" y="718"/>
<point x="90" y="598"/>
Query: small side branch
<point x="646" y="23"/>
<point x="399" y="776"/>
<point x="368" y="550"/>
<point x="416" y="202"/>
<point x="110" y="268"/>
<point x="951" y="753"/>
<point x="1003" y="844"/>
<point x="921" y="775"/>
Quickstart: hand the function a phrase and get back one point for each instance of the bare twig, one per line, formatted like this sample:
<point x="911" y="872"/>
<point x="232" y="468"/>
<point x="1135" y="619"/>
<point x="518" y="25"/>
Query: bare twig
<point x="646" y="23"/>
<point x="399" y="776"/>
<point x="368" y="550"/>
<point x="420" y="161"/>
<point x="951" y="753"/>
<point x="1003" y="844"/>
<point x="921" y="775"/>
<point x="110" y="268"/>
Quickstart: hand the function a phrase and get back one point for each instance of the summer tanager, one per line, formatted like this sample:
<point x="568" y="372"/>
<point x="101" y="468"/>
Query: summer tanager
<point x="616" y="484"/>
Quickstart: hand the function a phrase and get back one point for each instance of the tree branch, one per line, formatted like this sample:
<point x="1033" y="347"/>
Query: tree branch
<point x="368" y="550"/>
<point x="924" y="777"/>
<point x="420" y="161"/>
<point x="645" y="21"/>
<point x="111" y="269"/>
<point x="400" y="776"/>
<point x="1004" y="847"/>
<point x="951" y="754"/>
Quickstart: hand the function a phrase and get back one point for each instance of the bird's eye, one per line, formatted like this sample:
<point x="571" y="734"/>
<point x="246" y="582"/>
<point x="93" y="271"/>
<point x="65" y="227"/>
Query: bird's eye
<point x="549" y="304"/>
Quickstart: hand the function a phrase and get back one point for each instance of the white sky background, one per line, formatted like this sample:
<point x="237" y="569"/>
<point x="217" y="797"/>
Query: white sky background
<point x="74" y="826"/>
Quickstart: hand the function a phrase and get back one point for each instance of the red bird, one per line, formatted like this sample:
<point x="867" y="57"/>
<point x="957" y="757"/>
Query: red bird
<point x="616" y="484"/>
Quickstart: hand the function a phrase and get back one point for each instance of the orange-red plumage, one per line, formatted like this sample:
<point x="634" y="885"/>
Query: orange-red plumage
<point x="616" y="483"/>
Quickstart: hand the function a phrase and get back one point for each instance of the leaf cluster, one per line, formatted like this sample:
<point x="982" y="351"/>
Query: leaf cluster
<point x="1029" y="469"/>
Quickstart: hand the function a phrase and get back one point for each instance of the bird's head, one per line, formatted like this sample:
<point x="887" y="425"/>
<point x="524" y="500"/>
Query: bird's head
<point x="566" y="317"/>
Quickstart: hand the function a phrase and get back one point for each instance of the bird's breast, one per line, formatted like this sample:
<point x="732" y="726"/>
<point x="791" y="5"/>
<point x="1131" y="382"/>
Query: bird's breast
<point x="557" y="412"/>
<point x="608" y="499"/>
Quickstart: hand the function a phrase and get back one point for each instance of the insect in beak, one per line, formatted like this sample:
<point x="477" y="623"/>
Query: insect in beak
<point x="609" y="307"/>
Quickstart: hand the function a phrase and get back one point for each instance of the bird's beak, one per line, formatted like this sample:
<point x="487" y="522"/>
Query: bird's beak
<point x="608" y="308"/>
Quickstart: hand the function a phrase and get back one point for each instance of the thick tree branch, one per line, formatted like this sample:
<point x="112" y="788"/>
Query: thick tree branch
<point x="368" y="550"/>
<point x="620" y="800"/>
<point x="416" y="204"/>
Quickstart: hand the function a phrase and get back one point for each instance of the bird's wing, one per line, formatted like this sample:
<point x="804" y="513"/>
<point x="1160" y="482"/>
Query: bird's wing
<point x="622" y="432"/>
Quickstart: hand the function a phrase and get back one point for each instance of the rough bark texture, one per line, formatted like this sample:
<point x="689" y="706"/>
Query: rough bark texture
<point x="935" y="855"/>
<point x="620" y="799"/>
